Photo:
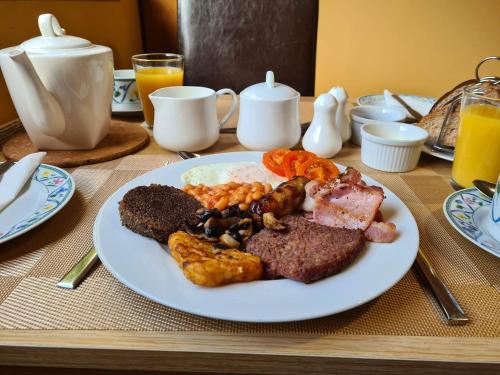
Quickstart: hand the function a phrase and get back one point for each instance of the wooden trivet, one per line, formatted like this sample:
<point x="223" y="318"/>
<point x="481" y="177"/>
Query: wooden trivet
<point x="123" y="139"/>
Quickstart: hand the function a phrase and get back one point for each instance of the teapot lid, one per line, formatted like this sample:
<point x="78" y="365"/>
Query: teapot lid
<point x="53" y="37"/>
<point x="269" y="90"/>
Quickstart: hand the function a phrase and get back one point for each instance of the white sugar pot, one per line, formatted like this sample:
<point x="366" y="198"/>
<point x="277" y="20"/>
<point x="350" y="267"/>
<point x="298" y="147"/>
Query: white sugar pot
<point x="269" y="116"/>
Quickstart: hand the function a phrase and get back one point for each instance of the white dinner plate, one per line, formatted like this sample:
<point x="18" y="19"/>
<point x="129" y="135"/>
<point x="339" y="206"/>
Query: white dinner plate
<point x="49" y="190"/>
<point x="146" y="267"/>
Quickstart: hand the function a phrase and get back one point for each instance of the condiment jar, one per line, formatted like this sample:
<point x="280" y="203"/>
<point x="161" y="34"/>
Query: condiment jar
<point x="322" y="137"/>
<point x="341" y="119"/>
<point x="269" y="116"/>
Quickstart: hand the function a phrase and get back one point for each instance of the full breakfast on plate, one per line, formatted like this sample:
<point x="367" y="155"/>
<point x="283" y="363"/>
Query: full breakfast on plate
<point x="292" y="216"/>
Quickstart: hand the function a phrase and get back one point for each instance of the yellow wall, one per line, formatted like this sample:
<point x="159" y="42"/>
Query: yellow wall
<point x="114" y="23"/>
<point x="416" y="46"/>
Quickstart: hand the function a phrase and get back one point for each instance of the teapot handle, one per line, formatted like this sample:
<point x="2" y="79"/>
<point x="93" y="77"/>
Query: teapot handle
<point x="234" y="104"/>
<point x="49" y="25"/>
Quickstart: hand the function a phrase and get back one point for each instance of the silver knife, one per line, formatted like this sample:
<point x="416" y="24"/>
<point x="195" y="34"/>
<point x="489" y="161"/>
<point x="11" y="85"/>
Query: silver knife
<point x="450" y="306"/>
<point x="406" y="106"/>
<point x="79" y="271"/>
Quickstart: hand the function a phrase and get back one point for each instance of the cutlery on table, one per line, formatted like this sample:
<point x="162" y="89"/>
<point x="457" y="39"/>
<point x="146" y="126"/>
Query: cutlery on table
<point x="395" y="100"/>
<point x="406" y="106"/>
<point x="485" y="187"/>
<point x="79" y="271"/>
<point x="5" y="166"/>
<point x="454" y="313"/>
<point x="187" y="155"/>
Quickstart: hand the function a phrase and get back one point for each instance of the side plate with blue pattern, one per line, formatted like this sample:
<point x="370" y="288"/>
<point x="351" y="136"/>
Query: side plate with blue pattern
<point x="48" y="191"/>
<point x="469" y="211"/>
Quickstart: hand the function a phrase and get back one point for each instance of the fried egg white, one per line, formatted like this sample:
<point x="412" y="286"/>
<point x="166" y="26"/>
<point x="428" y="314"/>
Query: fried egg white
<point x="221" y="173"/>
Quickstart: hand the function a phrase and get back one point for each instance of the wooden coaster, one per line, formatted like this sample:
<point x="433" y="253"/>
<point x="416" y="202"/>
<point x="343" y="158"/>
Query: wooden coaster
<point x="123" y="139"/>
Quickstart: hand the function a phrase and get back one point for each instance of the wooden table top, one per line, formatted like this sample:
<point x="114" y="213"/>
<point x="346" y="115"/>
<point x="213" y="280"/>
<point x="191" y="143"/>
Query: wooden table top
<point x="208" y="352"/>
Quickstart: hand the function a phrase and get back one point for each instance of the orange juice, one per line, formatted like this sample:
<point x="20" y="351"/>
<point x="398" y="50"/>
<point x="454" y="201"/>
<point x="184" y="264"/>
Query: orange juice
<point x="154" y="78"/>
<point x="477" y="151"/>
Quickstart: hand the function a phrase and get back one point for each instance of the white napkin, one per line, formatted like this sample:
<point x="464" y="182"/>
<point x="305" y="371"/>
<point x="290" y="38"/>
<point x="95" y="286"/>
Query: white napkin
<point x="14" y="179"/>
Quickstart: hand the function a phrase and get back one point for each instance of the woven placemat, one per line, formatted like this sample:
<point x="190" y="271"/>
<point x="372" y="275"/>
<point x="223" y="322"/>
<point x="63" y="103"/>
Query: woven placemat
<point x="31" y="265"/>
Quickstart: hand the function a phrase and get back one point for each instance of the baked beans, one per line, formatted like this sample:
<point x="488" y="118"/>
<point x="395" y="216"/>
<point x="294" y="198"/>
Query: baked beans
<point x="225" y="195"/>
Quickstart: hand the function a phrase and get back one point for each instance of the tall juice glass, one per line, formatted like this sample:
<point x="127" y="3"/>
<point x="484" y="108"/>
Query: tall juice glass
<point x="154" y="71"/>
<point x="477" y="150"/>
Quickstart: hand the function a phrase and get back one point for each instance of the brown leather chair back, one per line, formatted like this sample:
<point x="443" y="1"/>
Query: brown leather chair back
<point x="232" y="43"/>
<point x="159" y="25"/>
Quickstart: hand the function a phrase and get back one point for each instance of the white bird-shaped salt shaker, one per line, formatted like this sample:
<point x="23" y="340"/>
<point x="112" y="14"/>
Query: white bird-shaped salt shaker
<point x="323" y="137"/>
<point x="341" y="118"/>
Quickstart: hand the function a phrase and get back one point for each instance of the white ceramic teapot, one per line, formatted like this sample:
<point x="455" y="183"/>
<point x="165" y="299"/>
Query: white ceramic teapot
<point x="269" y="116"/>
<point x="61" y="87"/>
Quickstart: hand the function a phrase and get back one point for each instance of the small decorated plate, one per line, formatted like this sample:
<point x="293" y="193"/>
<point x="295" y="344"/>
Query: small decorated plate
<point x="421" y="104"/>
<point x="49" y="190"/>
<point x="469" y="212"/>
<point x="441" y="155"/>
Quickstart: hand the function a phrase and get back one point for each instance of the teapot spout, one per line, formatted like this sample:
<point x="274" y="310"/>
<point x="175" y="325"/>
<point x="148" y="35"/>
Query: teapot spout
<point x="41" y="103"/>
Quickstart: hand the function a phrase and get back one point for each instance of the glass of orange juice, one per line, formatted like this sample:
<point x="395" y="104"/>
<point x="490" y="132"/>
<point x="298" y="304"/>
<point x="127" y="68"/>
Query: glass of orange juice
<point x="477" y="150"/>
<point x="154" y="71"/>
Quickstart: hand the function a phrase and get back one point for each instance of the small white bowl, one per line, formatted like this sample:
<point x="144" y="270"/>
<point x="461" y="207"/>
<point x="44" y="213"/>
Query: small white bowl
<point x="391" y="146"/>
<point x="368" y="114"/>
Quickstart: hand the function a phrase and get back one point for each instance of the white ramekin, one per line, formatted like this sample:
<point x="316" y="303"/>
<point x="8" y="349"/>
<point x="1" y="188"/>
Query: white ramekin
<point x="391" y="146"/>
<point x="368" y="114"/>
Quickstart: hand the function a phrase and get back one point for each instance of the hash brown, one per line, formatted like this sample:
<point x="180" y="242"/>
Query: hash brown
<point x="207" y="266"/>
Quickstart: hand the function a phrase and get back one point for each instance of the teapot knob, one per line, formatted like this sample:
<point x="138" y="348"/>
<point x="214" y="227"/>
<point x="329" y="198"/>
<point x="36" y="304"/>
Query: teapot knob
<point x="49" y="26"/>
<point x="270" y="79"/>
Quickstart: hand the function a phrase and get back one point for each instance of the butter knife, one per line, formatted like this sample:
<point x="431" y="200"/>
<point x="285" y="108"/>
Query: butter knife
<point x="406" y="106"/>
<point x="452" y="310"/>
<point x="79" y="271"/>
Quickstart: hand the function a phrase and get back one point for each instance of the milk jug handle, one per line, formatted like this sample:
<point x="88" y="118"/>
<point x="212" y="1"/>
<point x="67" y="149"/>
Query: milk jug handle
<point x="234" y="104"/>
